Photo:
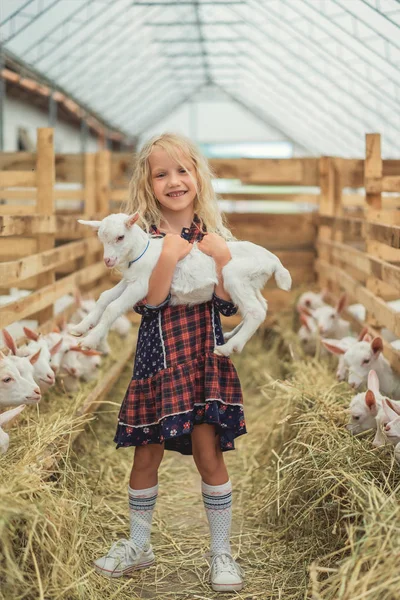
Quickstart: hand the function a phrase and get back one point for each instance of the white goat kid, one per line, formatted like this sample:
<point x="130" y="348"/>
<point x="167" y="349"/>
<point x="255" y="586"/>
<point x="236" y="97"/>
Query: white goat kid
<point x="5" y="417"/>
<point x="388" y="423"/>
<point x="328" y="320"/>
<point x="339" y="348"/>
<point x="364" y="407"/>
<point x="366" y="355"/>
<point x="311" y="300"/>
<point x="195" y="277"/>
<point x="16" y="388"/>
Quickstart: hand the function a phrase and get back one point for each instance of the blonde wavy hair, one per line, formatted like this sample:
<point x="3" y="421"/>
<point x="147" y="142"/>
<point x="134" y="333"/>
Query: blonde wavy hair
<point x="143" y="200"/>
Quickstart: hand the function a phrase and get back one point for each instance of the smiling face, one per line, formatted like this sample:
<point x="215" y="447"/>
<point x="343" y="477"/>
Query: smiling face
<point x="174" y="183"/>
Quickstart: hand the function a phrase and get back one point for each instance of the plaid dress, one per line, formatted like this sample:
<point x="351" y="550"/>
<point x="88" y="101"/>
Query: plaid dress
<point x="178" y="381"/>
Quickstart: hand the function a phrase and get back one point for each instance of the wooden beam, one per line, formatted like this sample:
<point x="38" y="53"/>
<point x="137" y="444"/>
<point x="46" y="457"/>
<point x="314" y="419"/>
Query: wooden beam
<point x="380" y="311"/>
<point x="17" y="179"/>
<point x="296" y="171"/>
<point x="46" y="296"/>
<point x="13" y="272"/>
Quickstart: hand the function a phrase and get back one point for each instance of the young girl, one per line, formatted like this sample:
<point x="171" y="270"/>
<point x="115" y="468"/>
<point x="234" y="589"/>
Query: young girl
<point x="182" y="396"/>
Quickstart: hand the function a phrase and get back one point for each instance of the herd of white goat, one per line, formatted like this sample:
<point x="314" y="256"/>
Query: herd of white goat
<point x="361" y="363"/>
<point x="28" y="371"/>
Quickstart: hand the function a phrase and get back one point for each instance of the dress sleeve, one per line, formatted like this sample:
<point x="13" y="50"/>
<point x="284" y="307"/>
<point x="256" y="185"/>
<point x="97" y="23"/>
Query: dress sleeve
<point x="225" y="307"/>
<point x="142" y="308"/>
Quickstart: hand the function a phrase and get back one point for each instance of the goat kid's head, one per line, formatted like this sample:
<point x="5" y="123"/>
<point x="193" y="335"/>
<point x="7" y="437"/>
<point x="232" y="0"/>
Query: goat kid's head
<point x="115" y="233"/>
<point x="364" y="407"/>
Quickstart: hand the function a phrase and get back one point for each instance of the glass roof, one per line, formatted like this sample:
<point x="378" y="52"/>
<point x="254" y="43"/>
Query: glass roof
<point x="324" y="72"/>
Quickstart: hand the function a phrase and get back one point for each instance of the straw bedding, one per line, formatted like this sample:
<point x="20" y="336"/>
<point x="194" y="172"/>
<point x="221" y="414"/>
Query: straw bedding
<point x="315" y="511"/>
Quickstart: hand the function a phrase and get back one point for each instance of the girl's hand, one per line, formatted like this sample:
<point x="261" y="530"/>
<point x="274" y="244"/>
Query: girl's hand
<point x="216" y="247"/>
<point x="176" y="246"/>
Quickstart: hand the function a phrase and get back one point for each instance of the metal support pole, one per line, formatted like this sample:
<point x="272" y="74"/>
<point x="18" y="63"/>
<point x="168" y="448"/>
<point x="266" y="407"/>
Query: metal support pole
<point x="52" y="110"/>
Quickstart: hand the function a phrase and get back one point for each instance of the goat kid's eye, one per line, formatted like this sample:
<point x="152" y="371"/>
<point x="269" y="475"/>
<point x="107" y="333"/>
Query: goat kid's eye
<point x="7" y="379"/>
<point x="120" y="238"/>
<point x="365" y="361"/>
<point x="356" y="418"/>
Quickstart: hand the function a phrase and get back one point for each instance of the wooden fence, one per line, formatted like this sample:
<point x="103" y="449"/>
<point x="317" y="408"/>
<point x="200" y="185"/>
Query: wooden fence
<point x="361" y="254"/>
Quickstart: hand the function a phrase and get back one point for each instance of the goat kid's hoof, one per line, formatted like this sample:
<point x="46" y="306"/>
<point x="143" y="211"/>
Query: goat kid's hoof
<point x="90" y="342"/>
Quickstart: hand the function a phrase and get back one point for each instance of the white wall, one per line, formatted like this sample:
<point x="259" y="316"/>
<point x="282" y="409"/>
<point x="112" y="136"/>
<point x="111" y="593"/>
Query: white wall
<point x="216" y="121"/>
<point x="18" y="113"/>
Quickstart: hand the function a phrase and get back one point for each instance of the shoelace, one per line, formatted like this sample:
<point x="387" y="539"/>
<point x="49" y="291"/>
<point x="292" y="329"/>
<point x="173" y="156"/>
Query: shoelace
<point x="225" y="562"/>
<point x="124" y="549"/>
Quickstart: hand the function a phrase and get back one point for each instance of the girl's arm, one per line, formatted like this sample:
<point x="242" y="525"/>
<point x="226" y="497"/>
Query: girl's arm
<point x="174" y="249"/>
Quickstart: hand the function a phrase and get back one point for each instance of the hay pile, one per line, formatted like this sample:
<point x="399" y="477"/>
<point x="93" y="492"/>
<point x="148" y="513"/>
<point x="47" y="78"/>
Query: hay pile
<point x="315" y="511"/>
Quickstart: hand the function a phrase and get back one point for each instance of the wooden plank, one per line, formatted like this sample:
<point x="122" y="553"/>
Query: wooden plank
<point x="45" y="205"/>
<point x="274" y="231"/>
<point x="386" y="234"/>
<point x="296" y="198"/>
<point x="299" y="171"/>
<point x="90" y="186"/>
<point x="11" y="247"/>
<point x="17" y="178"/>
<point x="373" y="170"/>
<point x="13" y="272"/>
<point x="103" y="181"/>
<point x="383" y="314"/>
<point x="12" y="209"/>
<point x="25" y="194"/>
<point x="351" y="171"/>
<point x="29" y="305"/>
<point x="122" y="164"/>
<point x="391" y="184"/>
<point x="69" y="194"/>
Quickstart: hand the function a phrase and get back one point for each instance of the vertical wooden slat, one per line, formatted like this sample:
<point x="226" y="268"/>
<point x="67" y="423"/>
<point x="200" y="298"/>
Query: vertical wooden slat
<point x="373" y="172"/>
<point x="103" y="182"/>
<point x="329" y="205"/>
<point x="45" y="205"/>
<point x="90" y="205"/>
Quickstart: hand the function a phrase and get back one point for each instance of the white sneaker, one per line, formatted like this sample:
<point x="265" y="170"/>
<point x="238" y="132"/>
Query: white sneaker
<point x="123" y="558"/>
<point x="225" y="574"/>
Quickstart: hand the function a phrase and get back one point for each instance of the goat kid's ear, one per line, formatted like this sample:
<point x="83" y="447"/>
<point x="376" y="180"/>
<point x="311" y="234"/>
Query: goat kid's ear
<point x="305" y="311"/>
<point x="324" y="294"/>
<point x="93" y="224"/>
<point x="377" y="345"/>
<point x="388" y="409"/>
<point x="31" y="335"/>
<point x="373" y="381"/>
<point x="35" y="357"/>
<point x="9" y="340"/>
<point x="78" y="297"/>
<point x="332" y="347"/>
<point x="86" y="352"/>
<point x="393" y="406"/>
<point x="304" y="321"/>
<point x="363" y="333"/>
<point x="370" y="400"/>
<point x="131" y="220"/>
<point x="54" y="349"/>
<point x="2" y="356"/>
<point x="341" y="304"/>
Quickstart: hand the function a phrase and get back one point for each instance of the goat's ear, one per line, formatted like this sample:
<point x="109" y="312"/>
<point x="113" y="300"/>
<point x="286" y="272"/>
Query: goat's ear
<point x="30" y="334"/>
<point x="93" y="224"/>
<point x="78" y="297"/>
<point x="373" y="381"/>
<point x="54" y="349"/>
<point x="131" y="220"/>
<point x="304" y="321"/>
<point x="362" y="334"/>
<point x="341" y="304"/>
<point x="395" y="407"/>
<point x="324" y="294"/>
<point x="370" y="399"/>
<point x="35" y="357"/>
<point x="305" y="311"/>
<point x="2" y="356"/>
<point x="377" y="345"/>
<point x="333" y="347"/>
<point x="9" y="340"/>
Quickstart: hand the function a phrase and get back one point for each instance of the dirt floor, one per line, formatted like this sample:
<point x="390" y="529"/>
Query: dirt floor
<point x="180" y="534"/>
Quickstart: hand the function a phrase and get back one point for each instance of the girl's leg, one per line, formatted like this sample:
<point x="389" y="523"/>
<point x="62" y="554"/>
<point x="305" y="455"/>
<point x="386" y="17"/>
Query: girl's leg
<point x="127" y="555"/>
<point x="225" y="574"/>
<point x="143" y="491"/>
<point x="216" y="486"/>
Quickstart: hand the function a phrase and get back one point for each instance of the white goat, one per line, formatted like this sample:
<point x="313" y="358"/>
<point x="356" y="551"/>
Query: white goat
<point x="363" y="356"/>
<point x="195" y="277"/>
<point x="5" y="417"/>
<point x="364" y="407"/>
<point x="16" y="388"/>
<point x="327" y="318"/>
<point x="311" y="300"/>
<point x="388" y="423"/>
<point x="43" y="374"/>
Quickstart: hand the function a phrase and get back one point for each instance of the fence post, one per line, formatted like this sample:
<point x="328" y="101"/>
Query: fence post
<point x="103" y="182"/>
<point x="329" y="205"/>
<point x="45" y="171"/>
